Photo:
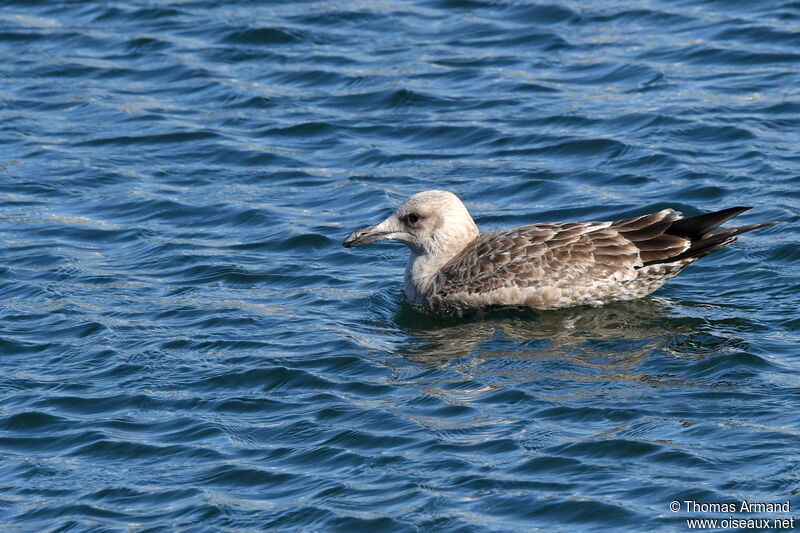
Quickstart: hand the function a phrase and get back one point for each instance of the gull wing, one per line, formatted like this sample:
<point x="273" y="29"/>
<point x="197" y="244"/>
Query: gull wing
<point x="542" y="264"/>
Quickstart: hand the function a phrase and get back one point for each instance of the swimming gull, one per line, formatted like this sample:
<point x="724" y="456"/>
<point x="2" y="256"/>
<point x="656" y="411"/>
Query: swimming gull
<point x="453" y="267"/>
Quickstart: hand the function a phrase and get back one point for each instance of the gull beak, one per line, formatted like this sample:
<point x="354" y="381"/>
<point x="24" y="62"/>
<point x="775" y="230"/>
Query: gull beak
<point x="378" y="232"/>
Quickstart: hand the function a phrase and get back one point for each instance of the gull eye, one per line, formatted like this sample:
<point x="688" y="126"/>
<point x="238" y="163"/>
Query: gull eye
<point x="413" y="218"/>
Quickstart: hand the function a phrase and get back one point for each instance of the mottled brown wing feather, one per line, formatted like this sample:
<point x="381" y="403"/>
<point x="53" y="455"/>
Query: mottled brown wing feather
<point x="580" y="262"/>
<point x="559" y="255"/>
<point x="651" y="235"/>
<point x="644" y="221"/>
<point x="541" y="255"/>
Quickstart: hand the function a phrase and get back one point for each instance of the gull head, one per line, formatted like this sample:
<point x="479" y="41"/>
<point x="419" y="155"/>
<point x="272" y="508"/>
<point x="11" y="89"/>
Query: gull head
<point x="429" y="223"/>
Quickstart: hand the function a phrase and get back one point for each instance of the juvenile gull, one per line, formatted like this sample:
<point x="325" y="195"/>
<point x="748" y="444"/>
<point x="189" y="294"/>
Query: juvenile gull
<point x="453" y="267"/>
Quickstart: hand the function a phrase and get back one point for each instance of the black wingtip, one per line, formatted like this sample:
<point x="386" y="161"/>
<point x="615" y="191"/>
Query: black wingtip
<point x="694" y="228"/>
<point x="715" y="240"/>
<point x="742" y="229"/>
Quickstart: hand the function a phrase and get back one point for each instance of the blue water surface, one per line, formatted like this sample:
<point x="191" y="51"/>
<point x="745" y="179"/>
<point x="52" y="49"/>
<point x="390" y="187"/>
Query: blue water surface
<point x="185" y="345"/>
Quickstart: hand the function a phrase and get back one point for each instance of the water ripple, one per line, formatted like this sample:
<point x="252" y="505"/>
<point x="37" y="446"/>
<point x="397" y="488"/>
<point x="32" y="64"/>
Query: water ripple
<point x="185" y="341"/>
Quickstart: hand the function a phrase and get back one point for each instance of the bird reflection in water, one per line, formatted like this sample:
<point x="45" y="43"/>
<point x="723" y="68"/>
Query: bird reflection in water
<point x="616" y="337"/>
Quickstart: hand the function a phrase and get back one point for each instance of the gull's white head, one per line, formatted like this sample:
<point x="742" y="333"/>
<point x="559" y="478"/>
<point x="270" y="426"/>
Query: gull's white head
<point x="429" y="223"/>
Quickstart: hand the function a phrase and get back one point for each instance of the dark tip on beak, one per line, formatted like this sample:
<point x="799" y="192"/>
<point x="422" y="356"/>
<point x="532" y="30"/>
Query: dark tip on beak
<point x="351" y="240"/>
<point x="363" y="236"/>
